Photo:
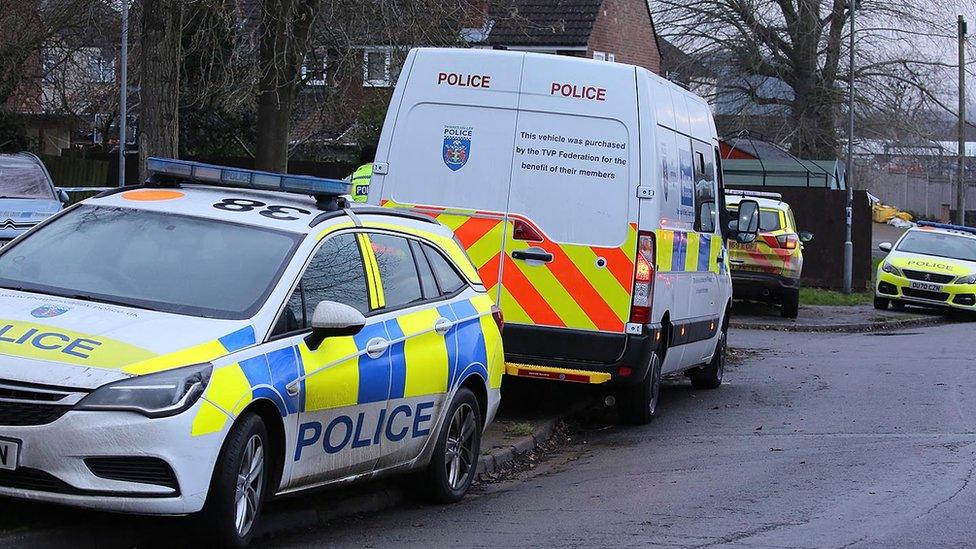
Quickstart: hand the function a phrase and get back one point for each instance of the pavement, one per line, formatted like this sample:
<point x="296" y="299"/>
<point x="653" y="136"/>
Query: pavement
<point x="825" y="318"/>
<point x="824" y="440"/>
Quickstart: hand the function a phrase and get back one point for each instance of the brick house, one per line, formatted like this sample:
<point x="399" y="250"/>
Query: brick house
<point x="609" y="30"/>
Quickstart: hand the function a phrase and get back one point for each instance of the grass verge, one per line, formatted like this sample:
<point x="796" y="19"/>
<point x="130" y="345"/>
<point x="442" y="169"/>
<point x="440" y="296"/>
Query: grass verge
<point x="817" y="296"/>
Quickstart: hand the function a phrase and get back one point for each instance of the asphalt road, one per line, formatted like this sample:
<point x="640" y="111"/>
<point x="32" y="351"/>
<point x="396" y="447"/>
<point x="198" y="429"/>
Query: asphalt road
<point x="816" y="440"/>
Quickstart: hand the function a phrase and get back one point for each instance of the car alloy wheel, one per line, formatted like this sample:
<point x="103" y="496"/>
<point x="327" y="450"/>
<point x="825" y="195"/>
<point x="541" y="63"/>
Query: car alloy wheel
<point x="250" y="485"/>
<point x="459" y="450"/>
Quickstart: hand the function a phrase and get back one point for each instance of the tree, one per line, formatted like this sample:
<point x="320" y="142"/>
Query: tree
<point x="159" y="80"/>
<point x="789" y="56"/>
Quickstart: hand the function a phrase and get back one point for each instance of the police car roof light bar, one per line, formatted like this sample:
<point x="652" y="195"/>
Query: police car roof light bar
<point x="327" y="192"/>
<point x="761" y="194"/>
<point x="962" y="228"/>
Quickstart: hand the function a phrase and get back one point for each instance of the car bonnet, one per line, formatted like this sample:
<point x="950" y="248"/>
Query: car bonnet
<point x="71" y="343"/>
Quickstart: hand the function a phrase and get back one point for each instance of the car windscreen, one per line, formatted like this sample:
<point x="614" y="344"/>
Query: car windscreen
<point x="153" y="260"/>
<point x="939" y="244"/>
<point x="23" y="178"/>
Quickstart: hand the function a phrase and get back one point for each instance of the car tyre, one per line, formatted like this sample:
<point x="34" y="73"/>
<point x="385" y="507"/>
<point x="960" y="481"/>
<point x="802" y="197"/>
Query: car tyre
<point x="710" y="376"/>
<point x="790" y="307"/>
<point x="455" y="461"/>
<point x="881" y="303"/>
<point x="640" y="401"/>
<point x="239" y="485"/>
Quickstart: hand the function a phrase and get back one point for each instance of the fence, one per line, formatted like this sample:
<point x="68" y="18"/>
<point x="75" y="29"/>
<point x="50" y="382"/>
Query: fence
<point x="928" y="196"/>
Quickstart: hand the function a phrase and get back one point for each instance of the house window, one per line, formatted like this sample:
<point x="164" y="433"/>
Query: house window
<point x="100" y="69"/>
<point x="376" y="68"/>
<point x="600" y="56"/>
<point x="611" y="57"/>
<point x="314" y="72"/>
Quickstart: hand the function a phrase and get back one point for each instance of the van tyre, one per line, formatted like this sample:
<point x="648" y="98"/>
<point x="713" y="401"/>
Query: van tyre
<point x="881" y="303"/>
<point x="238" y="486"/>
<point x="710" y="376"/>
<point x="640" y="401"/>
<point x="455" y="461"/>
<point x="790" y="307"/>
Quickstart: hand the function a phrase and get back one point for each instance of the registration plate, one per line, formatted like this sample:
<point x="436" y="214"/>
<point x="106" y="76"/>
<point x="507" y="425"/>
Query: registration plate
<point x="9" y="453"/>
<point x="928" y="286"/>
<point x="747" y="246"/>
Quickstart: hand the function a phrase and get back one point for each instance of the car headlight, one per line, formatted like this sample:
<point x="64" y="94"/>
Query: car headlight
<point x="889" y="268"/>
<point x="968" y="279"/>
<point x="154" y="395"/>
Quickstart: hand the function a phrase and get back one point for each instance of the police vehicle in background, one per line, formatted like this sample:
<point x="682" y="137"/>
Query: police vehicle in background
<point x="769" y="268"/>
<point x="217" y="336"/>
<point x="27" y="195"/>
<point x="590" y="198"/>
<point x="933" y="264"/>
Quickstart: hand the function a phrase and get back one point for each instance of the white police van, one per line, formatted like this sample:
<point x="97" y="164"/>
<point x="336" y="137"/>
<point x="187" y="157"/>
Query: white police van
<point x="588" y="194"/>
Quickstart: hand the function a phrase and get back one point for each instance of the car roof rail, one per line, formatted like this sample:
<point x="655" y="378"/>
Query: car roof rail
<point x="758" y="194"/>
<point x="329" y="194"/>
<point x="948" y="227"/>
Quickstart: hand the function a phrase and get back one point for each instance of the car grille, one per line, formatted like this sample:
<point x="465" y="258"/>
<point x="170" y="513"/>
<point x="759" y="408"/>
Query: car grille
<point x="29" y="404"/>
<point x="144" y="470"/>
<point x="25" y="478"/>
<point x="19" y="414"/>
<point x="925" y="294"/>
<point x="928" y="277"/>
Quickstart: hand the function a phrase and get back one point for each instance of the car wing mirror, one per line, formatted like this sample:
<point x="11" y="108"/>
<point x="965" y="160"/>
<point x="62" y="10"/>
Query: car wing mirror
<point x="885" y="246"/>
<point x="747" y="221"/>
<point x="332" y="319"/>
<point x="63" y="196"/>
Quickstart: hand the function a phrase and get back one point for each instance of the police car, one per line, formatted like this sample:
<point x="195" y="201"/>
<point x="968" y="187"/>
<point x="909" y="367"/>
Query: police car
<point x="933" y="264"/>
<point x="769" y="268"/>
<point x="214" y="337"/>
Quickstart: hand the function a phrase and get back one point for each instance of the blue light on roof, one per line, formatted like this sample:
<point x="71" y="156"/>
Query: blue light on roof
<point x="247" y="179"/>
<point x="962" y="228"/>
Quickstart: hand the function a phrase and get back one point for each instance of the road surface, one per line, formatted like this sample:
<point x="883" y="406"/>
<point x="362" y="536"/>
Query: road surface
<point x="816" y="440"/>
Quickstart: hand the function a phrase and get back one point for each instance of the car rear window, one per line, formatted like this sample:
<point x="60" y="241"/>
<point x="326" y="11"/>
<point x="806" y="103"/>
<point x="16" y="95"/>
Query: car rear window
<point x="769" y="220"/>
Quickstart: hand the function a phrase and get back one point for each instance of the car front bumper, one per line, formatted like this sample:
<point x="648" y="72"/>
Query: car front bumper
<point x="956" y="296"/>
<point x="52" y="463"/>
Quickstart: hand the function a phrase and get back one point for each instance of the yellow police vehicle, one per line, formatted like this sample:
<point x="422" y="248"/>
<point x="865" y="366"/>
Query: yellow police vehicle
<point x="217" y="336"/>
<point x="768" y="268"/>
<point x="932" y="264"/>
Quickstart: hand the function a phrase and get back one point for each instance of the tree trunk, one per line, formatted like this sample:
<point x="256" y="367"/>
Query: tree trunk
<point x="159" y="81"/>
<point x="285" y="27"/>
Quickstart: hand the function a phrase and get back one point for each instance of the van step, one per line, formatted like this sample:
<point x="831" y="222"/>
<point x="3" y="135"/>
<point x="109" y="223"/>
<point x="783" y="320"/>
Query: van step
<point x="555" y="374"/>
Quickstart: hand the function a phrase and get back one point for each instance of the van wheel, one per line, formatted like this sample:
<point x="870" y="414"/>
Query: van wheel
<point x="881" y="303"/>
<point x="640" y="401"/>
<point x="239" y="484"/>
<point x="710" y="376"/>
<point x="455" y="461"/>
<point x="790" y="307"/>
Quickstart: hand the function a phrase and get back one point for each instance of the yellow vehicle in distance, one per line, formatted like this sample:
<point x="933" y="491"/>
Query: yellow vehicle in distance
<point x="768" y="269"/>
<point x="933" y="265"/>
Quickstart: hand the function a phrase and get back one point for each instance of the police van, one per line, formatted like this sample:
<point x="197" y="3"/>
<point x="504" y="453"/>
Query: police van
<point x="589" y="196"/>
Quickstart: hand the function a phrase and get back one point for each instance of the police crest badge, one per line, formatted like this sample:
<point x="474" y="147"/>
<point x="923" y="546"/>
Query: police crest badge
<point x="457" y="146"/>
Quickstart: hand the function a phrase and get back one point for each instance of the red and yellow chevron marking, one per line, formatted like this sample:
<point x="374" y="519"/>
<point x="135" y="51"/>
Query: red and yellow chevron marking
<point x="572" y="291"/>
<point x="765" y="256"/>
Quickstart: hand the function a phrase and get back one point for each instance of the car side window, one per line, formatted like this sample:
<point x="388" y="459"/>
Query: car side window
<point x="427" y="282"/>
<point x="448" y="279"/>
<point x="335" y="273"/>
<point x="398" y="271"/>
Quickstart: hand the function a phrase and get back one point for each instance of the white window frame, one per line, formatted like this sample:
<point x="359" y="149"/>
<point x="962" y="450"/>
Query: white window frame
<point x="316" y="82"/>
<point x="600" y="56"/>
<point x="611" y="58"/>
<point x="377" y="82"/>
<point x="100" y="69"/>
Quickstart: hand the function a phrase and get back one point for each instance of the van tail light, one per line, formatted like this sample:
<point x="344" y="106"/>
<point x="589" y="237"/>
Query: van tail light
<point x="640" y="310"/>
<point x="496" y="313"/>
<point x="521" y="230"/>
<point x="788" y="241"/>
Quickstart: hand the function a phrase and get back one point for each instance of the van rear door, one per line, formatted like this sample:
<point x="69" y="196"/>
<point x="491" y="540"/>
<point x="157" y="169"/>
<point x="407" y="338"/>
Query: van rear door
<point x="569" y="258"/>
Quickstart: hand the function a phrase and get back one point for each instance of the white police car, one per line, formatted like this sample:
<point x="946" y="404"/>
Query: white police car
<point x="176" y="348"/>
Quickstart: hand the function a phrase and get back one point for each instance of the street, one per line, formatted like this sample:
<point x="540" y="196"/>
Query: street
<point x="815" y="440"/>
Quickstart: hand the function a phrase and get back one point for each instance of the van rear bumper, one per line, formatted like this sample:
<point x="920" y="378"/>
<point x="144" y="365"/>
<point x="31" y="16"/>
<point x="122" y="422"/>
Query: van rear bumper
<point x="612" y="353"/>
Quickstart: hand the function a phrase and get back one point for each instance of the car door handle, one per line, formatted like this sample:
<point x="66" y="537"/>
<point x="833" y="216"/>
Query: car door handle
<point x="443" y="325"/>
<point x="531" y="255"/>
<point x="376" y="347"/>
